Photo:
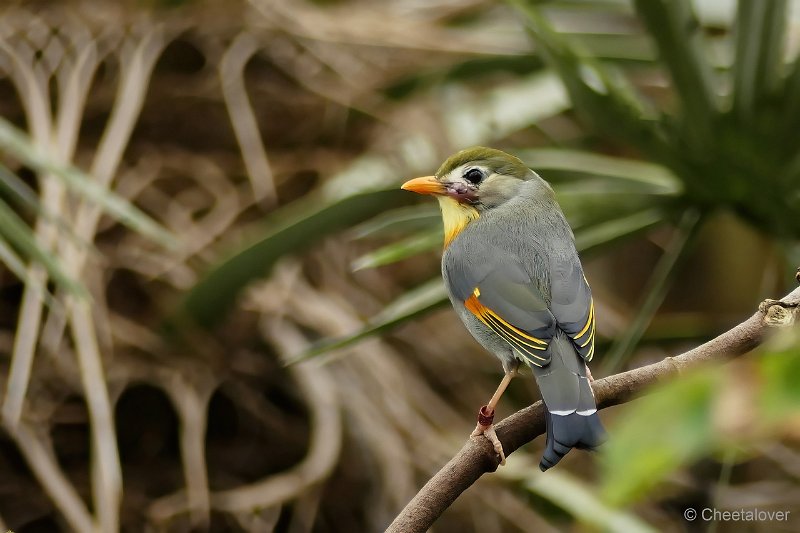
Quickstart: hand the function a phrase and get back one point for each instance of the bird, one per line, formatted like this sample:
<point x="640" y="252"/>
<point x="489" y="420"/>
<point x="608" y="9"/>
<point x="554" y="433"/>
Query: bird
<point x="514" y="277"/>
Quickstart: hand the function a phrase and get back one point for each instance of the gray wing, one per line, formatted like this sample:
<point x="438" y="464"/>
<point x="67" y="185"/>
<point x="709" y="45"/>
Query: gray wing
<point x="572" y="304"/>
<point x="498" y="291"/>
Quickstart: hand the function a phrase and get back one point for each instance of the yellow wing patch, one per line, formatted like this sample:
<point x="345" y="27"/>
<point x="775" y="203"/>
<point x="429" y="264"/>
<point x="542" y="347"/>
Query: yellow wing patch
<point x="585" y="337"/>
<point x="527" y="345"/>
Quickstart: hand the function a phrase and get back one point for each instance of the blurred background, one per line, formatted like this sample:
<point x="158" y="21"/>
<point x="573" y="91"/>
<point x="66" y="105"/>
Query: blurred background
<point x="218" y="312"/>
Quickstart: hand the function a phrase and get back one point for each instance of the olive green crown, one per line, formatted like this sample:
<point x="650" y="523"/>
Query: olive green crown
<point x="496" y="160"/>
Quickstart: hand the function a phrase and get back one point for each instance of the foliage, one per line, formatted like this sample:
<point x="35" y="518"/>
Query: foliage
<point x="18" y="243"/>
<point x="708" y="150"/>
<point x="268" y="138"/>
<point x="709" y="412"/>
<point x="213" y="297"/>
<point x="693" y="170"/>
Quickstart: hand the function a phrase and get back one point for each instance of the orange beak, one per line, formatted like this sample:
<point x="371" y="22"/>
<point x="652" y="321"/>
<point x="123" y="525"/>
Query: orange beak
<point x="424" y="185"/>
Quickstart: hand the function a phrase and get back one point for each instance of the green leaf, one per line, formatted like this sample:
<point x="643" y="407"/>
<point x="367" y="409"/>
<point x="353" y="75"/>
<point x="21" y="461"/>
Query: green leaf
<point x="595" y="189"/>
<point x="679" y="39"/>
<point x="574" y="496"/>
<point x="603" y="99"/>
<point x="760" y="31"/>
<point x="20" y="146"/>
<point x="14" y="231"/>
<point x="424" y="241"/>
<point x="681" y="421"/>
<point x="17" y="266"/>
<point x="791" y="100"/>
<point x="15" y="187"/>
<point x="667" y="428"/>
<point x="399" y="221"/>
<point x="649" y="176"/>
<point x="590" y="203"/>
<point x="412" y="304"/>
<point x="287" y="231"/>
<point x="634" y="48"/>
<point x="780" y="374"/>
<point x="658" y="285"/>
<point x="606" y="233"/>
<point x="18" y="189"/>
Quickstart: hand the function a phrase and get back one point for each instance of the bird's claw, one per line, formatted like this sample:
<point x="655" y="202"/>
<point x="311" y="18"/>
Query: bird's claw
<point x="485" y="427"/>
<point x="498" y="446"/>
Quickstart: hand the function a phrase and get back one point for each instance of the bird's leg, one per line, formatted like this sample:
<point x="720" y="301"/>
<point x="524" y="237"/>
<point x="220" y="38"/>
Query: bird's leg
<point x="485" y="425"/>
<point x="589" y="374"/>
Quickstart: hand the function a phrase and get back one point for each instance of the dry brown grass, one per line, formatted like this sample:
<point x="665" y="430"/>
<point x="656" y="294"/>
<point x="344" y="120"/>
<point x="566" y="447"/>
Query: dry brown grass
<point x="206" y="117"/>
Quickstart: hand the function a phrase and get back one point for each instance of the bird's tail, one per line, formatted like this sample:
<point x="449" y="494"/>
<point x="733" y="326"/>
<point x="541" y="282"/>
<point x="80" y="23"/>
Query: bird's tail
<point x="572" y="420"/>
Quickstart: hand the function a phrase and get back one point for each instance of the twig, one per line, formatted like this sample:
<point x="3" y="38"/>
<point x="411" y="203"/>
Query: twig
<point x="477" y="456"/>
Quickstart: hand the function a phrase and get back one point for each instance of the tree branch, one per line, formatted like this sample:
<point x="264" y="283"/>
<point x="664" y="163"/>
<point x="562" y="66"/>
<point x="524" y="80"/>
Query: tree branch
<point x="478" y="457"/>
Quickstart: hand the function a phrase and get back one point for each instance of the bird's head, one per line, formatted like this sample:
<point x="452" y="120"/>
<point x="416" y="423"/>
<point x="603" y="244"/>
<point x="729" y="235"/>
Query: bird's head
<point x="471" y="182"/>
<point x="477" y="176"/>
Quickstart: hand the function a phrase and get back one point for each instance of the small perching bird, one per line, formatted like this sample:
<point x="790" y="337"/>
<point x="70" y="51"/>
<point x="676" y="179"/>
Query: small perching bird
<point x="515" y="280"/>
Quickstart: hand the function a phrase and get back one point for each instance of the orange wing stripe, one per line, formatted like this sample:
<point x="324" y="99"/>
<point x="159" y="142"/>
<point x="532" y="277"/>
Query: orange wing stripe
<point x="487" y="316"/>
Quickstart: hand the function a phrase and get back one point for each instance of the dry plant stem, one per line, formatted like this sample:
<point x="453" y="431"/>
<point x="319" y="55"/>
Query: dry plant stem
<point x="326" y="438"/>
<point x="106" y="469"/>
<point x="137" y="66"/>
<point x="40" y="458"/>
<point x="305" y="511"/>
<point x="478" y="457"/>
<point x="192" y="405"/>
<point x="243" y="119"/>
<point x="276" y="490"/>
<point x="34" y="96"/>
<point x="367" y="27"/>
<point x="106" y="473"/>
<point x="33" y="87"/>
<point x="74" y="80"/>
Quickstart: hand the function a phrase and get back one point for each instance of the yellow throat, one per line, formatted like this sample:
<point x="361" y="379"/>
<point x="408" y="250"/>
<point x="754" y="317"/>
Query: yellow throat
<point x="455" y="216"/>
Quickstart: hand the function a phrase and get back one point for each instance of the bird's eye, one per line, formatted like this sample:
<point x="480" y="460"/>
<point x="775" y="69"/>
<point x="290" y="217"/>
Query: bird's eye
<point x="473" y="176"/>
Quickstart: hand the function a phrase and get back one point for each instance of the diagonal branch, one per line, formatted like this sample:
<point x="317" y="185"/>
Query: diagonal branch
<point x="477" y="457"/>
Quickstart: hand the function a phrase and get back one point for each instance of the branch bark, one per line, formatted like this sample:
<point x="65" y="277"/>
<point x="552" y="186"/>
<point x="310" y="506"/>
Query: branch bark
<point x="477" y="457"/>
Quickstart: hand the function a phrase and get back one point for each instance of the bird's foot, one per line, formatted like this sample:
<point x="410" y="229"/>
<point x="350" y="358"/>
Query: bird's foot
<point x="485" y="427"/>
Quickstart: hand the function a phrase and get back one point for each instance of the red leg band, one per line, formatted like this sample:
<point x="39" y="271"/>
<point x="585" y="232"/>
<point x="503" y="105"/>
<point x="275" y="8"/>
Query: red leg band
<point x="485" y="416"/>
